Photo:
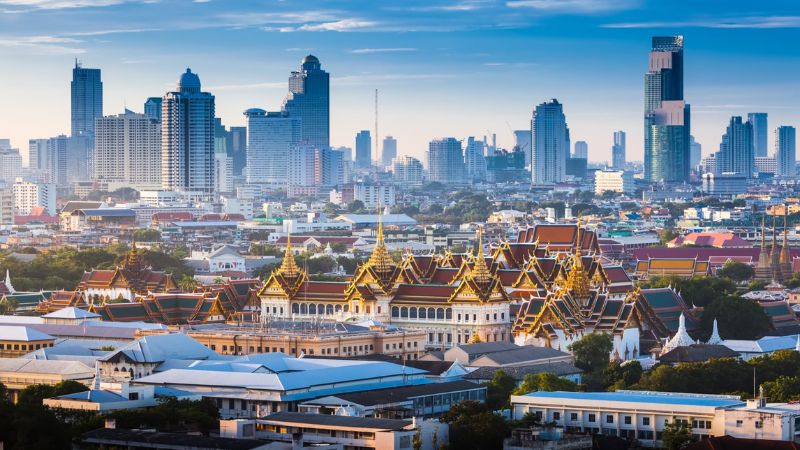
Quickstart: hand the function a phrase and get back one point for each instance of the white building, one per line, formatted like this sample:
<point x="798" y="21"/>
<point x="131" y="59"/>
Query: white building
<point x="30" y="195"/>
<point x="233" y="205"/>
<point x="643" y="415"/>
<point x="10" y="165"/>
<point x="6" y="207"/>
<point x="614" y="181"/>
<point x="128" y="151"/>
<point x="304" y="166"/>
<point x="374" y="196"/>
<point x="408" y="171"/>
<point x="269" y="136"/>
<point x="766" y="164"/>
<point x="223" y="173"/>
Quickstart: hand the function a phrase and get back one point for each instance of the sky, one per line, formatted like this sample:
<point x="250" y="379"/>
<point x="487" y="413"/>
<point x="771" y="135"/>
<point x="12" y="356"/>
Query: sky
<point x="442" y="67"/>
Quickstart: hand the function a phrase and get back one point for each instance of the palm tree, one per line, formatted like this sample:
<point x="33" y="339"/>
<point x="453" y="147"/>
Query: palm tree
<point x="187" y="283"/>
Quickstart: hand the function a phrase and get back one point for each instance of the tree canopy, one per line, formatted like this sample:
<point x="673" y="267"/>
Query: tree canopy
<point x="736" y="271"/>
<point x="737" y="317"/>
<point x="473" y="426"/>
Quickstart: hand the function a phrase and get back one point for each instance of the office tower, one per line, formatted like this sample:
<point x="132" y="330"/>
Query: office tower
<point x="474" y="161"/>
<point x="222" y="137"/>
<point x="785" y="151"/>
<point x="618" y="150"/>
<point x="309" y="101"/>
<point x="736" y="155"/>
<point x="37" y="155"/>
<point x="152" y="108"/>
<point x="388" y="151"/>
<point x="407" y="171"/>
<point x="28" y="196"/>
<point x="128" y="151"/>
<point x="333" y="167"/>
<point x="445" y="161"/>
<point x="269" y="137"/>
<point x="760" y="132"/>
<point x="581" y="150"/>
<point x="522" y="141"/>
<point x="347" y="152"/>
<point x="5" y="144"/>
<point x="666" y="114"/>
<point x="10" y="165"/>
<point x="238" y="149"/>
<point x="363" y="149"/>
<point x="87" y="99"/>
<point x="187" y="137"/>
<point x="57" y="148"/>
<point x="550" y="138"/>
<point x="695" y="152"/>
<point x="491" y="149"/>
<point x="223" y="173"/>
<point x="304" y="168"/>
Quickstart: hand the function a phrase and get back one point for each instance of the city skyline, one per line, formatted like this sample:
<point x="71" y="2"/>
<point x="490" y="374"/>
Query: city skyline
<point x="735" y="64"/>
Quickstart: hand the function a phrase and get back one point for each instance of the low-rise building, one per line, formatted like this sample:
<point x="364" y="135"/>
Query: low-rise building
<point x="18" y="340"/>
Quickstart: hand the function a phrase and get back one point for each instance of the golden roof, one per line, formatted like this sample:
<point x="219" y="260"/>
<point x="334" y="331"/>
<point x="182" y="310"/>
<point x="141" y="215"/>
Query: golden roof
<point x="577" y="281"/>
<point x="288" y="267"/>
<point x="480" y="272"/>
<point x="380" y="260"/>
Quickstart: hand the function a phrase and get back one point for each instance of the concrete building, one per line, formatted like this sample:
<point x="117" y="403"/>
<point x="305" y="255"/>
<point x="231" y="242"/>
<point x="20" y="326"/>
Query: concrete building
<point x="408" y="171"/>
<point x="474" y="160"/>
<point x="765" y="165"/>
<point x="128" y="151"/>
<point x="618" y="150"/>
<point x="550" y="143"/>
<point x="187" y="137"/>
<point x="269" y="136"/>
<point x="786" y="151"/>
<point x="10" y="165"/>
<point x="581" y="150"/>
<point x="223" y="173"/>
<point x="614" y="181"/>
<point x="695" y="152"/>
<point x="760" y="132"/>
<point x="304" y="169"/>
<point x="388" y="151"/>
<point x="446" y="162"/>
<point x="363" y="149"/>
<point x="28" y="196"/>
<point x="152" y="108"/>
<point x="308" y="100"/>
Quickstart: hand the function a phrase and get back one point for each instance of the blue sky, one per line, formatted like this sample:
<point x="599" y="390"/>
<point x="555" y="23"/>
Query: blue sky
<point x="443" y="67"/>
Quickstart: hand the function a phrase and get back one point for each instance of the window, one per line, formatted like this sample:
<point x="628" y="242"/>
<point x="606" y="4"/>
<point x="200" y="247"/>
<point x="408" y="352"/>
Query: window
<point x="133" y="396"/>
<point x="759" y="424"/>
<point x="231" y="404"/>
<point x="573" y="417"/>
<point x="645" y="421"/>
<point x="459" y="317"/>
<point x="627" y="420"/>
<point x="738" y="424"/>
<point x="495" y="316"/>
<point x="609" y="419"/>
<point x="592" y="418"/>
<point x="556" y="416"/>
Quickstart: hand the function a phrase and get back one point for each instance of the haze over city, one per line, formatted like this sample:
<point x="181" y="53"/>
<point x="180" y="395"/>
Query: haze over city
<point x="443" y="68"/>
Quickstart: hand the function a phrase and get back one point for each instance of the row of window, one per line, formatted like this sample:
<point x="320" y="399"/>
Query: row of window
<point x="404" y="312"/>
<point x="628" y="420"/>
<point x="24" y="347"/>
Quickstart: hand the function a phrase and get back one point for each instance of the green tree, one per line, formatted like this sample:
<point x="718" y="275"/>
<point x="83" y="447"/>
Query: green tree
<point x="356" y="206"/>
<point x="147" y="235"/>
<point x="473" y="426"/>
<point x="667" y="234"/>
<point x="498" y="390"/>
<point x="783" y="389"/>
<point x="676" y="435"/>
<point x="738" y="318"/>
<point x="187" y="283"/>
<point x="545" y="381"/>
<point x="736" y="271"/>
<point x="592" y="351"/>
<point x="622" y="375"/>
<point x="416" y="441"/>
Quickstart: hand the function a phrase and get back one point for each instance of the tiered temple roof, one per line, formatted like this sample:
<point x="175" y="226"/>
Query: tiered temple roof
<point x="132" y="274"/>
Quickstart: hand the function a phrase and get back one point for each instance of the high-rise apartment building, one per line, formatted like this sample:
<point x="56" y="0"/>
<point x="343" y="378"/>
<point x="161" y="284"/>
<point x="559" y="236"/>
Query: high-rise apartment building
<point x="522" y="141"/>
<point x="760" y="132"/>
<point x="10" y="165"/>
<point x="87" y="99"/>
<point x="618" y="150"/>
<point x="786" y="151"/>
<point x="363" y="149"/>
<point x="28" y="196"/>
<point x="333" y="167"/>
<point x="57" y="149"/>
<point x="550" y="138"/>
<point x="152" y="108"/>
<point x="304" y="169"/>
<point x="736" y="155"/>
<point x="446" y="161"/>
<point x="128" y="151"/>
<point x="581" y="150"/>
<point x="269" y="137"/>
<point x="695" y="152"/>
<point x="238" y="149"/>
<point x="223" y="173"/>
<point x="388" y="151"/>
<point x="407" y="171"/>
<point x="666" y="114"/>
<point x="474" y="161"/>
<point x="309" y="101"/>
<point x="187" y="137"/>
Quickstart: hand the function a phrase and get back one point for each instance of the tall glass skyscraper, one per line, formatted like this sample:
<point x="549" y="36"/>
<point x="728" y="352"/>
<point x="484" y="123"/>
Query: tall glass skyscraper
<point x="87" y="99"/>
<point x="363" y="149"/>
<point x="760" y="132"/>
<point x="388" y="151"/>
<point x="309" y="101"/>
<point x="446" y="161"/>
<point x="152" y="108"/>
<point x="269" y="137"/>
<point x="550" y="139"/>
<point x="187" y="137"/>
<point x="786" y="151"/>
<point x="736" y="155"/>
<point x="666" y="114"/>
<point x="618" y="151"/>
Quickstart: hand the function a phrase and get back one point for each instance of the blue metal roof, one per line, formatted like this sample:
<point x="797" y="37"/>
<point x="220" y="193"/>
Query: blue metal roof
<point x="662" y="398"/>
<point x="111" y="212"/>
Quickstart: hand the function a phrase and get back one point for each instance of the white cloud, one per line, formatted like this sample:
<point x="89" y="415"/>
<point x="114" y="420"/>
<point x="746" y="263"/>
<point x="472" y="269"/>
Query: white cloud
<point x="60" y="4"/>
<point x="342" y="25"/>
<point x="42" y="44"/>
<point x="738" y="22"/>
<point x="382" y="50"/>
<point x="572" y="6"/>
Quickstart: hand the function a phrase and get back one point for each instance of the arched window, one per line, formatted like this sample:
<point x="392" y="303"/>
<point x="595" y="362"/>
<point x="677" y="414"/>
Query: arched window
<point x="403" y="312"/>
<point x="423" y="313"/>
<point x="412" y="313"/>
<point x="303" y="308"/>
<point x="346" y="308"/>
<point x="312" y="309"/>
<point x="338" y="308"/>
<point x="448" y="314"/>
<point x="295" y="308"/>
<point x="440" y="313"/>
<point x="320" y="309"/>
<point x="329" y="310"/>
<point x="395" y="311"/>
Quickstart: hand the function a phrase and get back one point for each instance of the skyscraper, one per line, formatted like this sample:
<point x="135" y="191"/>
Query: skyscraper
<point x="152" y="108"/>
<point x="581" y="150"/>
<point x="363" y="150"/>
<point x="304" y="169"/>
<point x="238" y="149"/>
<point x="474" y="161"/>
<point x="550" y="138"/>
<point x="736" y="155"/>
<point x="407" y="171"/>
<point x="522" y="140"/>
<point x="269" y="137"/>
<point x="87" y="99"/>
<point x="309" y="101"/>
<point x="618" y="151"/>
<point x="445" y="161"/>
<point x="786" y="151"/>
<point x="128" y="150"/>
<point x="695" y="152"/>
<point x="187" y="137"/>
<point x="666" y="114"/>
<point x="389" y="151"/>
<point x="760" y="132"/>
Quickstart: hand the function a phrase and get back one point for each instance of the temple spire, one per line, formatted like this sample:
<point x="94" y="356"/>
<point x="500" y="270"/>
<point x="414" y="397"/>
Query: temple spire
<point x="380" y="260"/>
<point x="763" y="245"/>
<point x="785" y="257"/>
<point x="288" y="267"/>
<point x="715" y="339"/>
<point x="480" y="272"/>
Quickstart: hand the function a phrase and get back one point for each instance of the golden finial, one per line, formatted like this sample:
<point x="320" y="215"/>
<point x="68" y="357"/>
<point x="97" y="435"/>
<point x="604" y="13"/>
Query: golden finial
<point x="380" y="259"/>
<point x="785" y="257"/>
<point x="480" y="272"/>
<point x="476" y="336"/>
<point x="578" y="282"/>
<point x="762" y="233"/>
<point x="288" y="267"/>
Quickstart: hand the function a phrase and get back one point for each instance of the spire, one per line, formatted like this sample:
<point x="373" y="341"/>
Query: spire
<point x="8" y="282"/>
<point x="578" y="280"/>
<point x="380" y="260"/>
<point x="288" y="267"/>
<point x="96" y="381"/>
<point x="785" y="257"/>
<point x="763" y="245"/>
<point x="480" y="272"/>
<point x="715" y="339"/>
<point x="681" y="338"/>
